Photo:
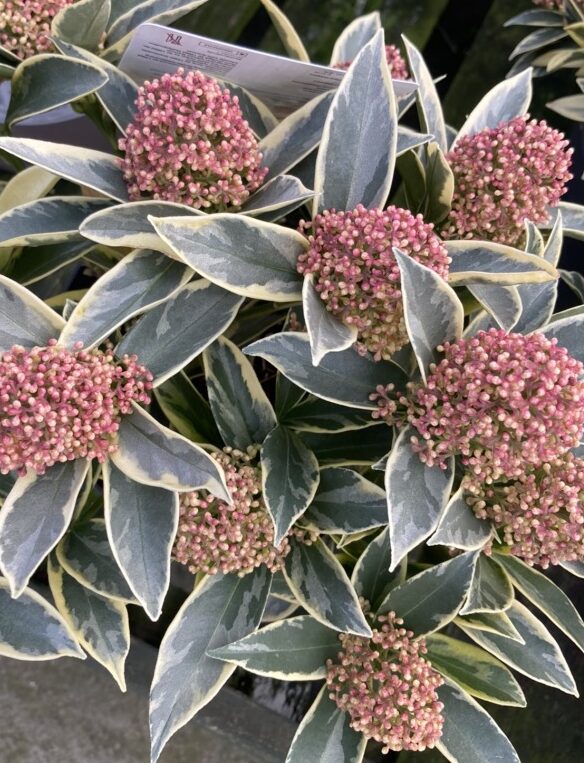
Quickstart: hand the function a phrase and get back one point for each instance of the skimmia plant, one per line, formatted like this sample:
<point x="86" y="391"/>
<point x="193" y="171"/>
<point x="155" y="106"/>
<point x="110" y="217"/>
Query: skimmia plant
<point x="318" y="363"/>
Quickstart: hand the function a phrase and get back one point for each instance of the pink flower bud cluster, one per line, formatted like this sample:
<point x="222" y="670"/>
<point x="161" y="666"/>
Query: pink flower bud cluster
<point x="540" y="515"/>
<point x="356" y="273"/>
<point x="25" y="25"/>
<point x="556" y="5"/>
<point x="189" y="143"/>
<point x="388" y="687"/>
<point x="504" y="402"/>
<point x="57" y="405"/>
<point x="395" y="61"/>
<point x="214" y="536"/>
<point x="504" y="176"/>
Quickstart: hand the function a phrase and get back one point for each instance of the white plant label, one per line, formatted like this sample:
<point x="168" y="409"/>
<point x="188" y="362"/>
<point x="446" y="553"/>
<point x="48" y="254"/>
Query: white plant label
<point x="283" y="84"/>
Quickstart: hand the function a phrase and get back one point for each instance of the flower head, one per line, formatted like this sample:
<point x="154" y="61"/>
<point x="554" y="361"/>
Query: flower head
<point x="388" y="687"/>
<point x="395" y="61"/>
<point x="215" y="536"/>
<point x="540" y="515"/>
<point x="504" y="402"/>
<point x="58" y="404"/>
<point x="357" y="275"/>
<point x="189" y="143"/>
<point x="504" y="176"/>
<point x="25" y="25"/>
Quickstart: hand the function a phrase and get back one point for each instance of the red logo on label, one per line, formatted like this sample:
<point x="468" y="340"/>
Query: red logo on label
<point x="174" y="39"/>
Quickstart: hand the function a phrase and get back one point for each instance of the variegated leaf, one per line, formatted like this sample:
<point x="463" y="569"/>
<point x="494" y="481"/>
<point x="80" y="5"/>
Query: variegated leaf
<point x="286" y="32"/>
<point x="491" y="622"/>
<point x="241" y="408"/>
<point x="47" y="221"/>
<point x="342" y="377"/>
<point x="27" y="185"/>
<point x="83" y="23"/>
<point x="311" y="414"/>
<point x="152" y="454"/>
<point x="84" y="166"/>
<point x="416" y="496"/>
<point x="86" y="555"/>
<point x="281" y="192"/>
<point x="221" y="609"/>
<point x="371" y="577"/>
<point x="432" y="598"/>
<point x="507" y="100"/>
<point x="295" y="136"/>
<point x="168" y="337"/>
<point x="469" y="732"/>
<point x="33" y="90"/>
<point x="32" y="629"/>
<point x="33" y="265"/>
<point x="187" y="410"/>
<point x="346" y="502"/>
<point x="474" y="670"/>
<point x="255" y="112"/>
<point x="327" y="333"/>
<point x="326" y="736"/>
<point x="100" y="625"/>
<point x="244" y="255"/>
<point x="539" y="657"/>
<point x="290" y="478"/>
<point x="293" y="650"/>
<point x="503" y="302"/>
<point x="354" y="37"/>
<point x="433" y="313"/>
<point x="574" y="568"/>
<point x="490" y="590"/>
<point x="459" y="527"/>
<point x="408" y="140"/>
<point x="24" y="318"/>
<point x="483" y="262"/>
<point x="322" y="587"/>
<point x="429" y="105"/>
<point x="344" y="449"/>
<point x="568" y="332"/>
<point x="439" y="184"/>
<point x="140" y="281"/>
<point x="34" y="517"/>
<point x="356" y="158"/>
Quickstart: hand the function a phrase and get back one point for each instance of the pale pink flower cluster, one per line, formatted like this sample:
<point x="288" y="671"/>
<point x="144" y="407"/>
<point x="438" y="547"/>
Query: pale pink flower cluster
<point x="540" y="514"/>
<point x="504" y="176"/>
<point x="25" y="25"/>
<point x="388" y="687"/>
<point x="556" y="5"/>
<point x="215" y="536"/>
<point x="57" y="405"/>
<point x="189" y="143"/>
<point x="395" y="61"/>
<point x="503" y="402"/>
<point x="357" y="275"/>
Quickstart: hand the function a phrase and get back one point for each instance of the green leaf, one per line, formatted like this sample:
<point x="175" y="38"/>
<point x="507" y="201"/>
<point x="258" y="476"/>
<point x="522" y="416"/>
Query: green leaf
<point x="241" y="408"/>
<point x="221" y="609"/>
<point x="32" y="629"/>
<point x="292" y="650"/>
<point x="354" y="37"/>
<point x="83" y="23"/>
<point x="344" y="449"/>
<point x="536" y="17"/>
<point x="255" y="112"/>
<point x="491" y="622"/>
<point x="312" y="414"/>
<point x="290" y="478"/>
<point x="356" y="158"/>
<point x="101" y="626"/>
<point x="459" y="527"/>
<point x="33" y="90"/>
<point x="187" y="410"/>
<point x="546" y="596"/>
<point x="141" y="523"/>
<point x="429" y="104"/>
<point x="475" y="670"/>
<point x="281" y="192"/>
<point x="168" y="337"/>
<point x="568" y="332"/>
<point x="86" y="555"/>
<point x="439" y="182"/>
<point x="484" y="262"/>
<point x="296" y="136"/>
<point x="572" y="219"/>
<point x="24" y="318"/>
<point x="322" y="587"/>
<point x="153" y="455"/>
<point x="140" y="281"/>
<point x="507" y="100"/>
<point x="346" y="502"/>
<point x="503" y="303"/>
<point x="432" y="598"/>
<point x="246" y="256"/>
<point x="327" y="333"/>
<point x="326" y="736"/>
<point x="286" y="32"/>
<point x="469" y="733"/>
<point x="491" y="589"/>
<point x="433" y="313"/>
<point x="342" y="377"/>
<point x="574" y="568"/>
<point x="539" y="657"/>
<point x="371" y="577"/>
<point x="83" y="166"/>
<point x="34" y="517"/>
<point x="570" y="106"/>
<point x="416" y="496"/>
<point x="33" y="265"/>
